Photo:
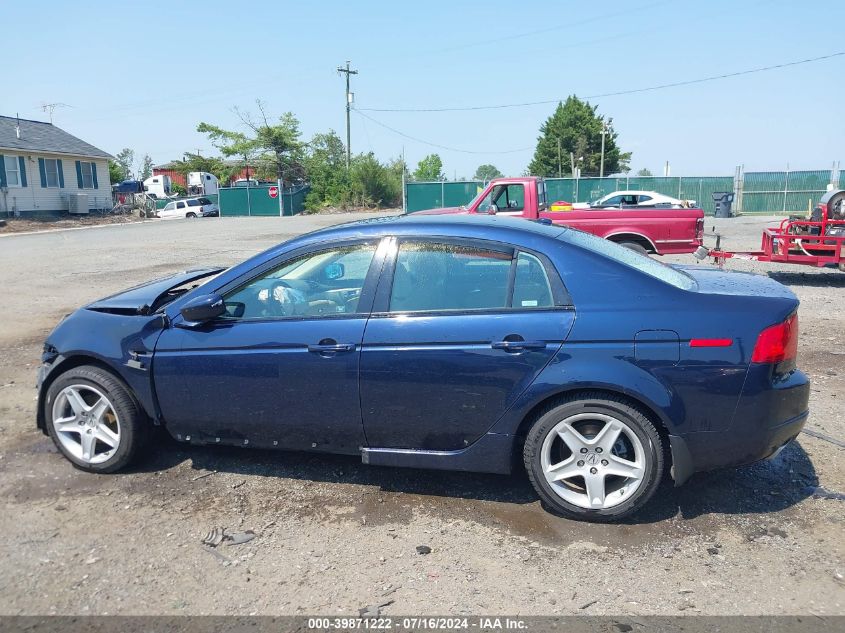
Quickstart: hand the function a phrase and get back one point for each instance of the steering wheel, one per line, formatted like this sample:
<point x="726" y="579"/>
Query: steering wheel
<point x="275" y="307"/>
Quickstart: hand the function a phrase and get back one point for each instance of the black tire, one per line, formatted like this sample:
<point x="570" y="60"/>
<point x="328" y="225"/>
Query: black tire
<point x="135" y="428"/>
<point x="191" y="215"/>
<point x="634" y="246"/>
<point x="606" y="404"/>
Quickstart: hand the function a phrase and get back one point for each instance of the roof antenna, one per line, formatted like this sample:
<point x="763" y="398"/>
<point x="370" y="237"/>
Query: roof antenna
<point x="18" y="125"/>
<point x="50" y="107"/>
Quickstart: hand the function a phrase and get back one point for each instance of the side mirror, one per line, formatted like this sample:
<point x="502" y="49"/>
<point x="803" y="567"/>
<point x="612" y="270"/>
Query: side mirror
<point x="334" y="271"/>
<point x="492" y="209"/>
<point x="203" y="308"/>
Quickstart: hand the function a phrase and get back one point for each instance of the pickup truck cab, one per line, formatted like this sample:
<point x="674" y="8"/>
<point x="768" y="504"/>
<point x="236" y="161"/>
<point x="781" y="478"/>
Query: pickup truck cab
<point x="660" y="231"/>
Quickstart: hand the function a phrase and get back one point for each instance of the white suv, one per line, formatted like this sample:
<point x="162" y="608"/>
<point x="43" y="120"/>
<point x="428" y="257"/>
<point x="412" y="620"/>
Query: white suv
<point x="188" y="208"/>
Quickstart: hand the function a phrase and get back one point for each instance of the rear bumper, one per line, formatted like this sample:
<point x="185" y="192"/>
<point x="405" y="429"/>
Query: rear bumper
<point x="770" y="414"/>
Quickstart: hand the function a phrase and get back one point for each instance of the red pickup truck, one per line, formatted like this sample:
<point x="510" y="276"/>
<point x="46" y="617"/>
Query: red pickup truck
<point x="661" y="231"/>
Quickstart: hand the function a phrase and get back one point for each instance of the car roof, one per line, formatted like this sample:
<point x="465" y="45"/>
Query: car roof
<point x="510" y="230"/>
<point x="636" y="192"/>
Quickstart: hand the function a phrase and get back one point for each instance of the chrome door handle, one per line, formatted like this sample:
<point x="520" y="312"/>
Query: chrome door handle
<point x="332" y="348"/>
<point x="518" y="346"/>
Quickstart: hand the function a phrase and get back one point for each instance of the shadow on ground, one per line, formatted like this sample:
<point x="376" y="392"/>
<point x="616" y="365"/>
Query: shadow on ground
<point x="763" y="488"/>
<point x="820" y="279"/>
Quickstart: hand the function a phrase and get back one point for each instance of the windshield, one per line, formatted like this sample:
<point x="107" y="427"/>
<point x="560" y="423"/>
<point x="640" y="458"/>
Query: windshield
<point x="471" y="203"/>
<point x="630" y="258"/>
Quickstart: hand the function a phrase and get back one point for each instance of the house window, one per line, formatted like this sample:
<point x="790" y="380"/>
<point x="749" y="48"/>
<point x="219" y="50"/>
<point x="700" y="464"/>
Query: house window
<point x="87" y="175"/>
<point x="51" y="170"/>
<point x="13" y="174"/>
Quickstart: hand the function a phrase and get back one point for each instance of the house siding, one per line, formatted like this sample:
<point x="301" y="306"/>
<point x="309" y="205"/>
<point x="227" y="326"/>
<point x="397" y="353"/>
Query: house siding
<point x="35" y="199"/>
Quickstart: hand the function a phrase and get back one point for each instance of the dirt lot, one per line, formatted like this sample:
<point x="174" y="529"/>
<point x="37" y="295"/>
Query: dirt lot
<point x="334" y="535"/>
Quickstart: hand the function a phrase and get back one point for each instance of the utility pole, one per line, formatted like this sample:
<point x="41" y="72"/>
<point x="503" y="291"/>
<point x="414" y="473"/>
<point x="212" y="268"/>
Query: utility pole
<point x="603" y="134"/>
<point x="349" y="98"/>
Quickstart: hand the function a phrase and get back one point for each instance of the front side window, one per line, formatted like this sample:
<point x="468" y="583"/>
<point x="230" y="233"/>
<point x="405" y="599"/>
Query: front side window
<point x="13" y="174"/>
<point x="612" y="202"/>
<point x="87" y="174"/>
<point x="51" y="171"/>
<point x="329" y="282"/>
<point x="432" y="276"/>
<point x="170" y="206"/>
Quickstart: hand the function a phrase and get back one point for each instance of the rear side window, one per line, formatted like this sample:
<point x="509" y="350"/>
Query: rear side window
<point x="431" y="276"/>
<point x="194" y="203"/>
<point x="630" y="258"/>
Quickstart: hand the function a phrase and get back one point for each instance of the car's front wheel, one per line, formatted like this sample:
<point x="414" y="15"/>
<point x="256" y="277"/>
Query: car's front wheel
<point x="593" y="457"/>
<point x="93" y="420"/>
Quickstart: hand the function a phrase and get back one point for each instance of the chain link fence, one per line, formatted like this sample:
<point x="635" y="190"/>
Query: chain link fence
<point x="770" y="192"/>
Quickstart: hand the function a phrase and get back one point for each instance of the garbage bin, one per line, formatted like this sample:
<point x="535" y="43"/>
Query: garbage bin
<point x="723" y="200"/>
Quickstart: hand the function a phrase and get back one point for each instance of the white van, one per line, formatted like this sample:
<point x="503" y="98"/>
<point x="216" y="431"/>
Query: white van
<point x="202" y="183"/>
<point x="158" y="186"/>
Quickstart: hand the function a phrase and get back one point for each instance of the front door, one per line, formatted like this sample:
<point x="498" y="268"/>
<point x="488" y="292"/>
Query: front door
<point x="281" y="368"/>
<point x="459" y="330"/>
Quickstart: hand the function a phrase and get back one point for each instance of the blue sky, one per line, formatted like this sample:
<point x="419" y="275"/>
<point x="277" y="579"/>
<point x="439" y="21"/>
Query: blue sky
<point x="142" y="75"/>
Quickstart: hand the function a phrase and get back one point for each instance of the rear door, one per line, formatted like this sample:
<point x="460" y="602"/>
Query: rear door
<point x="459" y="330"/>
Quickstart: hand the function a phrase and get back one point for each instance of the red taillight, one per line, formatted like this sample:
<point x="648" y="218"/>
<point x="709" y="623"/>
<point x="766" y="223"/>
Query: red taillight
<point x="777" y="343"/>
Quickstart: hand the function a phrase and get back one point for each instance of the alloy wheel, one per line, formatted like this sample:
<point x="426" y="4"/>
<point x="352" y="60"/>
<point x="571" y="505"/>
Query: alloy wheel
<point x="86" y="423"/>
<point x="593" y="460"/>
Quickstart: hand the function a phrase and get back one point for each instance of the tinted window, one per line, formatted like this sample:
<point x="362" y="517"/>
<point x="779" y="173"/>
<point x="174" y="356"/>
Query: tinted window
<point x="531" y="287"/>
<point x="194" y="203"/>
<point x="628" y="257"/>
<point x="643" y="199"/>
<point x="431" y="276"/>
<point x="323" y="283"/>
<point x="204" y="201"/>
<point x="180" y="205"/>
<point x="615" y="200"/>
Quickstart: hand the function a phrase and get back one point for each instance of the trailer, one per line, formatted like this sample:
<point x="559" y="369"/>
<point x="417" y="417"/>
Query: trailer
<point x="815" y="241"/>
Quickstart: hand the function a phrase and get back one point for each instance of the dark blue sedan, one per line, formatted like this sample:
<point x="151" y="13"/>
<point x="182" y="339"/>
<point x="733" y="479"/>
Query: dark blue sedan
<point x="459" y="343"/>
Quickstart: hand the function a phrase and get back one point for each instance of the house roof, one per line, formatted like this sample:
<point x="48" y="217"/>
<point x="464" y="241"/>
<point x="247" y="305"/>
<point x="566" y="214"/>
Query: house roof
<point x="38" y="136"/>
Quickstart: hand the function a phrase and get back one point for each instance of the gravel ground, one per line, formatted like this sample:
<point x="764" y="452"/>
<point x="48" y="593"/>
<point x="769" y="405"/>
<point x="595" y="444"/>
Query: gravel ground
<point x="333" y="536"/>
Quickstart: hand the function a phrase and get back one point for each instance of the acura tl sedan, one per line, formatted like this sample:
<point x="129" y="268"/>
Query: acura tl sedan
<point x="458" y="343"/>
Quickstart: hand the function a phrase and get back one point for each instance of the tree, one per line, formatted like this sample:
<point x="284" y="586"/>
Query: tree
<point x="576" y="127"/>
<point x="146" y="168"/>
<point x="374" y="184"/>
<point x="487" y="172"/>
<point x="274" y="146"/>
<point x="124" y="159"/>
<point x="644" y="173"/>
<point x="115" y="172"/>
<point x="325" y="166"/>
<point x="430" y="168"/>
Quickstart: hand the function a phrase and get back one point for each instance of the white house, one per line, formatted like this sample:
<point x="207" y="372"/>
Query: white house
<point x="42" y="167"/>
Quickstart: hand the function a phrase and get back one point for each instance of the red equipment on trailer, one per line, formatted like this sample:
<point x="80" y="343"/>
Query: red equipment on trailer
<point x="817" y="241"/>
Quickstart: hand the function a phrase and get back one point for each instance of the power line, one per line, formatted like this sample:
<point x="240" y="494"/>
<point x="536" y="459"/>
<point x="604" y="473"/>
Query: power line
<point x="446" y="147"/>
<point x="614" y="94"/>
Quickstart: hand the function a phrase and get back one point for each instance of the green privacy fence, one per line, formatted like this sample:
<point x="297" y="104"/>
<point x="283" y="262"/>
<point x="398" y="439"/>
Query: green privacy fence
<point x="258" y="201"/>
<point x="756" y="192"/>
<point x="433" y="195"/>
<point x="783" y="191"/>
<point x="699" y="189"/>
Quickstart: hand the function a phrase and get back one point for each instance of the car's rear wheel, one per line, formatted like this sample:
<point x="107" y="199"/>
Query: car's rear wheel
<point x="93" y="420"/>
<point x="191" y="215"/>
<point x="594" y="458"/>
<point x="634" y="246"/>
